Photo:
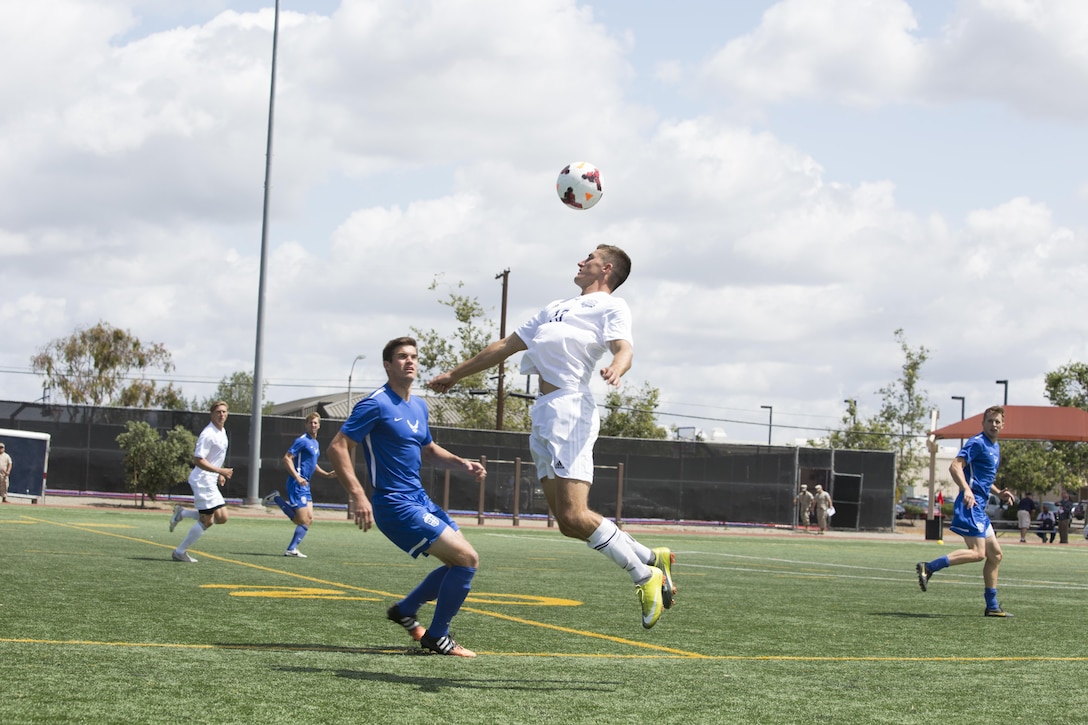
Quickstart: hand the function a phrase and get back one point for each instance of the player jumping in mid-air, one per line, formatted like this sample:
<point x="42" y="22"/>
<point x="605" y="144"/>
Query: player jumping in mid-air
<point x="974" y="470"/>
<point x="563" y="344"/>
<point x="300" y="460"/>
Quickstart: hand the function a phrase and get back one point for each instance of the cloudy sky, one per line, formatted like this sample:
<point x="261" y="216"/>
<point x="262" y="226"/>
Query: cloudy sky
<point x="794" y="181"/>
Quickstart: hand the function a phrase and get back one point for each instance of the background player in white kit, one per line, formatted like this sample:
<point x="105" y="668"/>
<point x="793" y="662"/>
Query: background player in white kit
<point x="563" y="344"/>
<point x="207" y="478"/>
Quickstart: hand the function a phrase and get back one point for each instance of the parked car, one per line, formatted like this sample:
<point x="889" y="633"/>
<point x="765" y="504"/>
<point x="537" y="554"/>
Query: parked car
<point x="1078" y="510"/>
<point x="900" y="511"/>
<point x="994" y="507"/>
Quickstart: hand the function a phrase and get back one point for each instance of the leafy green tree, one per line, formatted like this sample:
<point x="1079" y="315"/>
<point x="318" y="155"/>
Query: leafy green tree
<point x="471" y="403"/>
<point x="905" y="411"/>
<point x="237" y="390"/>
<point x="632" y="414"/>
<point x="874" y="434"/>
<point x="901" y="424"/>
<point x="104" y="365"/>
<point x="1068" y="387"/>
<point x="1032" y="467"/>
<point x="152" y="463"/>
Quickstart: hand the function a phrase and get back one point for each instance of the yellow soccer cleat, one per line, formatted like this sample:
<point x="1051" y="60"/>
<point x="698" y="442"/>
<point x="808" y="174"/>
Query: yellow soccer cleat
<point x="650" y="596"/>
<point x="663" y="560"/>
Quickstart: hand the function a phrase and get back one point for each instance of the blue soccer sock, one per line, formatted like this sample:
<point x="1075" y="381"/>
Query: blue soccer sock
<point x="991" y="598"/>
<point x="451" y="595"/>
<point x="937" y="564"/>
<point x="300" y="534"/>
<point x="288" y="510"/>
<point x="426" y="591"/>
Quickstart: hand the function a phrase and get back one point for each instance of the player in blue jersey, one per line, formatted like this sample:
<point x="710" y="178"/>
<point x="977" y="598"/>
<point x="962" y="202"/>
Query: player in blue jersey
<point x="300" y="460"/>
<point x="974" y="470"/>
<point x="563" y="344"/>
<point x="391" y="425"/>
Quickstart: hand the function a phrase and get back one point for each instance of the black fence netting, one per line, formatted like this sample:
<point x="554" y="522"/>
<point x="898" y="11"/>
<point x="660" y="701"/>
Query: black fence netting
<point x="672" y="481"/>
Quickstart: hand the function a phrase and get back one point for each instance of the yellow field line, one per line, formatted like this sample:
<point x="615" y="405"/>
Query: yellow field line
<point x="213" y="557"/>
<point x="678" y="656"/>
<point x="484" y="612"/>
<point x="583" y="633"/>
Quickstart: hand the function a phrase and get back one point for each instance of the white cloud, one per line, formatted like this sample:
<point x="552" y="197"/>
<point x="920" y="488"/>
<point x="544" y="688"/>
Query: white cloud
<point x="422" y="139"/>
<point x="1029" y="55"/>
<point x="856" y="53"/>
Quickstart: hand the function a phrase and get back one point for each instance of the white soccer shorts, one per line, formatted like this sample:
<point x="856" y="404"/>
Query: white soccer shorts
<point x="565" y="427"/>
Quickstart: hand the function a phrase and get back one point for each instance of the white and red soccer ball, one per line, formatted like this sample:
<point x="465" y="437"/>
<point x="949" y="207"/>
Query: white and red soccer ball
<point x="579" y="185"/>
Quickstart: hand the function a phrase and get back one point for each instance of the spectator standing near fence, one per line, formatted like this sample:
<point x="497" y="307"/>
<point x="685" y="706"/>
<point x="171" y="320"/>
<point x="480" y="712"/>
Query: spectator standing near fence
<point x="563" y="344"/>
<point x="1065" y="517"/>
<point x="803" y="502"/>
<point x="1024" y="513"/>
<point x="5" y="472"/>
<point x="822" y="504"/>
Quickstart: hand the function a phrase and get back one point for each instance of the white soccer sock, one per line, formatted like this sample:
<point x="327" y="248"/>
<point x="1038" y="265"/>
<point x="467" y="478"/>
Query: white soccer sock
<point x="190" y="514"/>
<point x="642" y="551"/>
<point x="190" y="538"/>
<point x="613" y="543"/>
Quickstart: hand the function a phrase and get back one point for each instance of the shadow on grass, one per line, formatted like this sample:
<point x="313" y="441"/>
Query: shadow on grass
<point x="911" y="615"/>
<point x="437" y="684"/>
<point x="305" y="647"/>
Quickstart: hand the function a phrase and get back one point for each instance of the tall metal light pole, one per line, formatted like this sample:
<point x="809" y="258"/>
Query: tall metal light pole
<point x="258" y="372"/>
<point x="770" y="421"/>
<point x="350" y="373"/>
<point x="505" y="277"/>
<point x="1006" y="384"/>
<point x="963" y="409"/>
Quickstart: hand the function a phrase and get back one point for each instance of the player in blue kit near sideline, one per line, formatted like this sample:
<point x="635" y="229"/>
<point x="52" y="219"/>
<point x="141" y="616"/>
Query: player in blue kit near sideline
<point x="301" y="464"/>
<point x="391" y="425"/>
<point x="974" y="470"/>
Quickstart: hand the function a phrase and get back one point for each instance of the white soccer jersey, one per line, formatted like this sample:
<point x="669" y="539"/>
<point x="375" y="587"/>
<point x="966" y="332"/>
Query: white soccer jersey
<point x="566" y="339"/>
<point x="212" y="447"/>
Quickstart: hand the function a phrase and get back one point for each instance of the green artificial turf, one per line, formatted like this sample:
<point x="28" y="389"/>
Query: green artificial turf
<point x="98" y="625"/>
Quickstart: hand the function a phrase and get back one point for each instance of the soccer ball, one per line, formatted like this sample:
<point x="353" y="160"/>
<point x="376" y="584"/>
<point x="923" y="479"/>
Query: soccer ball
<point x="579" y="185"/>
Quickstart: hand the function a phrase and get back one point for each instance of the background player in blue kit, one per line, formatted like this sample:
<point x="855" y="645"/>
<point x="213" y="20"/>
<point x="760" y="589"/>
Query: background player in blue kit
<point x="563" y="344"/>
<point x="391" y="425"/>
<point x="974" y="470"/>
<point x="301" y="463"/>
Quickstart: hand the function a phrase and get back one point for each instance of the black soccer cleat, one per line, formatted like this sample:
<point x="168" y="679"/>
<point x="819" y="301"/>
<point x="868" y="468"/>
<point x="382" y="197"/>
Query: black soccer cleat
<point x="923" y="575"/>
<point x="445" y="646"/>
<point x="410" y="623"/>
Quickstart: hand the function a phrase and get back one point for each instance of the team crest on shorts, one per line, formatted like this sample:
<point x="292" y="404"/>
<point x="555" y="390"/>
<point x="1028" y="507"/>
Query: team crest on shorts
<point x="431" y="520"/>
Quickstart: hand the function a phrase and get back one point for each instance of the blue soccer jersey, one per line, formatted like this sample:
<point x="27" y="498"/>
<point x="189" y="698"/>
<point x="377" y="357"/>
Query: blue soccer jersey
<point x="983" y="457"/>
<point x="392" y="432"/>
<point x="305" y="450"/>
